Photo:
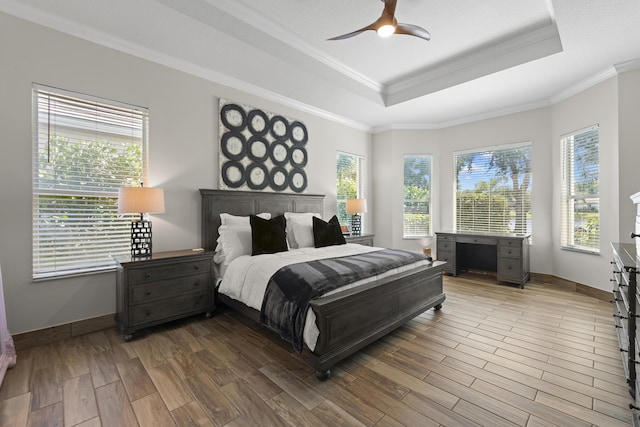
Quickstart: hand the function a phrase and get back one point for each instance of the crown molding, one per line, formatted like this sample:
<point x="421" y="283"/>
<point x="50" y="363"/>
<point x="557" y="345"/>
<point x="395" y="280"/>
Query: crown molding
<point x="624" y="67"/>
<point x="583" y="85"/>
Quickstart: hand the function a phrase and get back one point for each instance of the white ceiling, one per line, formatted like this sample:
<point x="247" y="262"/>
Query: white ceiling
<point x="485" y="58"/>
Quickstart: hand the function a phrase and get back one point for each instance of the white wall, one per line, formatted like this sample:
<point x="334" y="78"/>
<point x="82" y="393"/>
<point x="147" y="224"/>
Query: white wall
<point x="390" y="146"/>
<point x="183" y="156"/>
<point x="629" y="149"/>
<point x="596" y="105"/>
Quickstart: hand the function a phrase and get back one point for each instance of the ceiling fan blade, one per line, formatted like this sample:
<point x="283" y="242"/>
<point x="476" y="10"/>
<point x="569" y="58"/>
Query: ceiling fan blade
<point x="413" y="30"/>
<point x="390" y="7"/>
<point x="354" y="33"/>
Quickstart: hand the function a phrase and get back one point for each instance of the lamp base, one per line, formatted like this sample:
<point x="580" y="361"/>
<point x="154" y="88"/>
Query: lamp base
<point x="141" y="238"/>
<point x="356" y="225"/>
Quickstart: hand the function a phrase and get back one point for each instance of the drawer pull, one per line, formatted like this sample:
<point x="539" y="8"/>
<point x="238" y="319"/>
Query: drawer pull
<point x="619" y="316"/>
<point x="509" y="252"/>
<point x="196" y="284"/>
<point x="148" y="293"/>
<point x="147" y="314"/>
<point x="634" y="235"/>
<point x="196" y="267"/>
<point x="632" y="406"/>
<point x="147" y="275"/>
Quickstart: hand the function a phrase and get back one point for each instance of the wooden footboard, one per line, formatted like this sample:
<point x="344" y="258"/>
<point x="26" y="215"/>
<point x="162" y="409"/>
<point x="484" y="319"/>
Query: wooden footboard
<point x="352" y="319"/>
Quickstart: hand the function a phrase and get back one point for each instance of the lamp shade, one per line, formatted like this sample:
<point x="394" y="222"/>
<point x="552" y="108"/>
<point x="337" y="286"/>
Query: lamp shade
<point x="140" y="200"/>
<point x="356" y="206"/>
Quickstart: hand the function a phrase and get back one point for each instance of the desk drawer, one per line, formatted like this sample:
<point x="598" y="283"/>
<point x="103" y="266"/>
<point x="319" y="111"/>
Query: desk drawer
<point x="445" y="237"/>
<point x="446" y="245"/>
<point x="509" y="251"/>
<point x="477" y="240"/>
<point x="510" y="268"/>
<point x="450" y="260"/>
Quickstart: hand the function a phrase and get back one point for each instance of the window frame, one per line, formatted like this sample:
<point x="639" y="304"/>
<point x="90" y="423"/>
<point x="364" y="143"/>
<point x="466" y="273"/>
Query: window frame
<point x="524" y="201"/>
<point x="88" y="215"/>
<point x="569" y="197"/>
<point x="429" y="200"/>
<point x="361" y="187"/>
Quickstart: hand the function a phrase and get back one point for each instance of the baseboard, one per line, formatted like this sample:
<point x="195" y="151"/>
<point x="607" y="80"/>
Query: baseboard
<point x="572" y="286"/>
<point x="60" y="332"/>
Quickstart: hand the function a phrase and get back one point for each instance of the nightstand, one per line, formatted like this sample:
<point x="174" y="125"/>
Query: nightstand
<point x="162" y="287"/>
<point x="365" y="239"/>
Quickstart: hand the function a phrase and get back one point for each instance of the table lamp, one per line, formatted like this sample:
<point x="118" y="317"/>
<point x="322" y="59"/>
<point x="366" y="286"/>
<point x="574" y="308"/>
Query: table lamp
<point x="140" y="200"/>
<point x="356" y="207"/>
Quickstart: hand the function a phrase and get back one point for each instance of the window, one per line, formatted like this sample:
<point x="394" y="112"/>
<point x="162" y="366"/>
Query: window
<point x="493" y="189"/>
<point x="350" y="182"/>
<point x="417" y="196"/>
<point x="580" y="191"/>
<point x="84" y="150"/>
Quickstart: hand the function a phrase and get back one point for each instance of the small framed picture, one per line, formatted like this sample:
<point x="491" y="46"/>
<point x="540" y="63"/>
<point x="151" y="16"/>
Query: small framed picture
<point x="346" y="230"/>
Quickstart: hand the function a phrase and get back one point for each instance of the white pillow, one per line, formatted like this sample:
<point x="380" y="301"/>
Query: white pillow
<point x="235" y="237"/>
<point x="300" y="229"/>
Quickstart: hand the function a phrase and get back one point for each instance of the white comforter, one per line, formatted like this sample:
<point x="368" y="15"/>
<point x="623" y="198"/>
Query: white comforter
<point x="246" y="277"/>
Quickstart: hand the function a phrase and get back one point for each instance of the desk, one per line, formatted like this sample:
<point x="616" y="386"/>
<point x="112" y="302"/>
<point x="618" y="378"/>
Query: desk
<point x="506" y="254"/>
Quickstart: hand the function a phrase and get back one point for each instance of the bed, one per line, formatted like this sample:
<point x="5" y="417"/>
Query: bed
<point x="347" y="320"/>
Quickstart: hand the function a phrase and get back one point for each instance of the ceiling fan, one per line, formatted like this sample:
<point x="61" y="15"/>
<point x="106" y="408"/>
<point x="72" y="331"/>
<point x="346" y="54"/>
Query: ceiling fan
<point x="387" y="25"/>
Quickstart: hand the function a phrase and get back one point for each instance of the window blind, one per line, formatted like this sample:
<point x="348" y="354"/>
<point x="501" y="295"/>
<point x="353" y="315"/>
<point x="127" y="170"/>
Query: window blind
<point x="350" y="183"/>
<point x="417" y="196"/>
<point x="493" y="189"/>
<point x="580" y="191"/>
<point x="85" y="148"/>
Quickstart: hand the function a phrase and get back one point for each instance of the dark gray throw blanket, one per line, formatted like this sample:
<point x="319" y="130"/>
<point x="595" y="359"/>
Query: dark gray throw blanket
<point x="290" y="289"/>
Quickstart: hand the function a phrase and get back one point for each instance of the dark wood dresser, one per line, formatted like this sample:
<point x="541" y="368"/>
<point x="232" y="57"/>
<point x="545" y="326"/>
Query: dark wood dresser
<point x="162" y="287"/>
<point x="626" y="298"/>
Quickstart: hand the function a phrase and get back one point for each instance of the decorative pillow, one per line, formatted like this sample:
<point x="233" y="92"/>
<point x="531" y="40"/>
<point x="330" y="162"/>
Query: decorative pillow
<point x="268" y="236"/>
<point x="235" y="220"/>
<point x="300" y="229"/>
<point x="235" y="237"/>
<point x="327" y="233"/>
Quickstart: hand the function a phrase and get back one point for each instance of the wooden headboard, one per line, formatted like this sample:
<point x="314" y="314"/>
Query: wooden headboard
<point x="215" y="202"/>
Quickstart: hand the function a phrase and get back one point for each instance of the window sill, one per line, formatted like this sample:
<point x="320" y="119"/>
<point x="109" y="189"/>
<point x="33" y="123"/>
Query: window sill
<point x="582" y="251"/>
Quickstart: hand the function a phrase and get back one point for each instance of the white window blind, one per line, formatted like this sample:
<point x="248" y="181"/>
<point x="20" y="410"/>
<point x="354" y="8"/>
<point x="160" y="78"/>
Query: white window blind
<point x="84" y="150"/>
<point x="493" y="189"/>
<point x="580" y="191"/>
<point x="417" y="196"/>
<point x="350" y="183"/>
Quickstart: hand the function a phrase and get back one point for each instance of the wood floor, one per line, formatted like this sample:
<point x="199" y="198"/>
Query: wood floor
<point x="493" y="356"/>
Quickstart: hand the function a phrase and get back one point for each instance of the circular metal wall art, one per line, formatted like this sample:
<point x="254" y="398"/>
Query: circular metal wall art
<point x="260" y="150"/>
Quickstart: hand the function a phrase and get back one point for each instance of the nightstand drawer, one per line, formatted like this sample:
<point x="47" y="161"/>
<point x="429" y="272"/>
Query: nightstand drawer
<point x="178" y="269"/>
<point x="165" y="309"/>
<point x="140" y="294"/>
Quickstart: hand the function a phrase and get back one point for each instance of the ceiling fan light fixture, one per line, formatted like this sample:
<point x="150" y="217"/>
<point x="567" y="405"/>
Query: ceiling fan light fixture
<point x="386" y="30"/>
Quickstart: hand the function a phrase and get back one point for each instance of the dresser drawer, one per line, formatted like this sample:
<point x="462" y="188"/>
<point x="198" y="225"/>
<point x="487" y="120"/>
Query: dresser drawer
<point x="511" y="242"/>
<point x="143" y="293"/>
<point x="477" y="240"/>
<point x="445" y="237"/>
<point x="168" y="308"/>
<point x="178" y="269"/>
<point x="509" y="251"/>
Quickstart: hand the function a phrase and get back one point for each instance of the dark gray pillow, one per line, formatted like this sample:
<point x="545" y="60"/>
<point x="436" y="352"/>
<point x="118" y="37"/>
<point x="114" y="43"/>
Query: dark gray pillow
<point x="327" y="233"/>
<point x="268" y="236"/>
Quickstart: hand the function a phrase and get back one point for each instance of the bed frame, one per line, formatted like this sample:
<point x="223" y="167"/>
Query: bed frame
<point x="349" y="320"/>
